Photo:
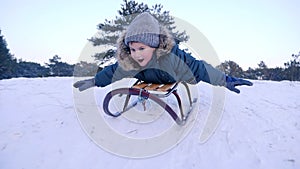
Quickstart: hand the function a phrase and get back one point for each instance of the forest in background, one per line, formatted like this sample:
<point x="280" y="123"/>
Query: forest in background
<point x="10" y="67"/>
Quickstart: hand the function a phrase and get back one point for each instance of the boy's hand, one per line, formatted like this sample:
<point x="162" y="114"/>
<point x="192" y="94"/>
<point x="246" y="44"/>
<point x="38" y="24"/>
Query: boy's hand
<point x="84" y="84"/>
<point x="232" y="82"/>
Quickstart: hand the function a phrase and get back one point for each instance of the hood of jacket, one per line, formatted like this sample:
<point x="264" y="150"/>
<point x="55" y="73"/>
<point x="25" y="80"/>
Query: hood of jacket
<point x="166" y="43"/>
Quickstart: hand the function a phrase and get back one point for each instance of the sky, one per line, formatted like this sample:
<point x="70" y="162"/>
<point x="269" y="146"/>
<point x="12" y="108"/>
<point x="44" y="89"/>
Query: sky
<point x="245" y="32"/>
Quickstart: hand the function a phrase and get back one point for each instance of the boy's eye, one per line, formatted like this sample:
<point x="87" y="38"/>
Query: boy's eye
<point x="133" y="50"/>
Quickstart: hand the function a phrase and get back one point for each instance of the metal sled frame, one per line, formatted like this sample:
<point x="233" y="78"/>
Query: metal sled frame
<point x="154" y="92"/>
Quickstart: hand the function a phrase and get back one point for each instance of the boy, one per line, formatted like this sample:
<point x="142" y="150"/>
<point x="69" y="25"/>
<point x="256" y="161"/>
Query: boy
<point x="147" y="51"/>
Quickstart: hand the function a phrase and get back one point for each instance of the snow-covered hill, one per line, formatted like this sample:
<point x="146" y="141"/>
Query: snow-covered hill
<point x="40" y="129"/>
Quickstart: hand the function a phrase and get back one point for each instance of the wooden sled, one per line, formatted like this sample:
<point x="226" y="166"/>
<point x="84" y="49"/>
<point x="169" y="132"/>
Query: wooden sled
<point x="154" y="92"/>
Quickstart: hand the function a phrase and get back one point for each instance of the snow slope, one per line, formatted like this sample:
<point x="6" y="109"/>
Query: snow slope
<point x="40" y="129"/>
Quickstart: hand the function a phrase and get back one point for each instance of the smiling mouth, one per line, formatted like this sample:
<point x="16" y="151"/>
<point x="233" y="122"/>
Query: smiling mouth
<point x="140" y="60"/>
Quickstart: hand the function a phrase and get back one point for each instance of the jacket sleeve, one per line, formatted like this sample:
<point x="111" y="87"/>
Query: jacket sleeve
<point x="110" y="74"/>
<point x="104" y="77"/>
<point x="201" y="70"/>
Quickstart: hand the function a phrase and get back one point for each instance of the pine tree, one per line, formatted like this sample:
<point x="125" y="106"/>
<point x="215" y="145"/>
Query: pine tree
<point x="7" y="62"/>
<point x="262" y="71"/>
<point x="231" y="68"/>
<point x="292" y="70"/>
<point x="110" y="30"/>
<point x="58" y="68"/>
<point x="250" y="73"/>
<point x="85" y="69"/>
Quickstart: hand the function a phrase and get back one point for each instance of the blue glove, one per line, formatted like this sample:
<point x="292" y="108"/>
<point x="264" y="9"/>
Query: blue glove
<point x="84" y="84"/>
<point x="232" y="82"/>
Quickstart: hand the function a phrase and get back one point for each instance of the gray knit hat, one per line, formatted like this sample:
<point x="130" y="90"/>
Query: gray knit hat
<point x="145" y="29"/>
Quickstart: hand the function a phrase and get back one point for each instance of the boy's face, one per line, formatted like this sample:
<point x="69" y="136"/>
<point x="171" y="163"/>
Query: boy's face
<point x="141" y="53"/>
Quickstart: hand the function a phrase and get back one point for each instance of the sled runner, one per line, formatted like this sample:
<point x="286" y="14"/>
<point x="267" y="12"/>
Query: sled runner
<point x="154" y="92"/>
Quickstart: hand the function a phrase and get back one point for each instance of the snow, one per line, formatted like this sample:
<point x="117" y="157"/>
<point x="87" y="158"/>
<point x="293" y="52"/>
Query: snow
<point x="41" y="128"/>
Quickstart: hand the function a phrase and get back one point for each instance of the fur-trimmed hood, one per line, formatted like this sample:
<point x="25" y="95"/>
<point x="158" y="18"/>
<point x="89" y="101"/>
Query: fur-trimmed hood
<point x="166" y="43"/>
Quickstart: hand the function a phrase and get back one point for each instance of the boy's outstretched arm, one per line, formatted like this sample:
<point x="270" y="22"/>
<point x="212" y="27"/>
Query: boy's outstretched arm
<point x="103" y="78"/>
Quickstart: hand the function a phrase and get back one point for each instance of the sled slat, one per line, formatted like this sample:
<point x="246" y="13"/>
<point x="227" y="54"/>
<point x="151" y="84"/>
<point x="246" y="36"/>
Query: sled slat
<point x="152" y="87"/>
<point x="140" y="86"/>
<point x="165" y="87"/>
